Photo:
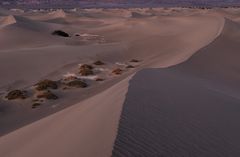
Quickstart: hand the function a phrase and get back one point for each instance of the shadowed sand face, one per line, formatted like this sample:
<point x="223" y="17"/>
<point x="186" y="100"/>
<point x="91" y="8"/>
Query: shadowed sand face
<point x="191" y="109"/>
<point x="157" y="38"/>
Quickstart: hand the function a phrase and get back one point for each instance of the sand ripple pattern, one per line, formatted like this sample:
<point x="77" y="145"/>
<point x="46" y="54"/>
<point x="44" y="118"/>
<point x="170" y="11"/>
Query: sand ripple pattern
<point x="170" y="114"/>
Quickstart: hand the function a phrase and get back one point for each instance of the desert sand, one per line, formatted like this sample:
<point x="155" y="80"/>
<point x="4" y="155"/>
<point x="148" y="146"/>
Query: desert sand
<point x="192" y="45"/>
<point x="193" y="108"/>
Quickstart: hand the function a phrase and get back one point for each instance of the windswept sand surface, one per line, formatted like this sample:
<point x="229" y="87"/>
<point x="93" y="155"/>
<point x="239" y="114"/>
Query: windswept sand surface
<point x="7" y="20"/>
<point x="85" y="121"/>
<point x="191" y="109"/>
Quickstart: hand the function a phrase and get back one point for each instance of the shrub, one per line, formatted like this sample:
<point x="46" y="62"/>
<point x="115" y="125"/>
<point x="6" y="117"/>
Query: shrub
<point x="47" y="95"/>
<point x="98" y="63"/>
<point x="86" y="66"/>
<point x="45" y="84"/>
<point x="99" y="79"/>
<point x="117" y="71"/>
<point x="35" y="105"/>
<point x="77" y="84"/>
<point x="130" y="67"/>
<point x="134" y="60"/>
<point x="70" y="78"/>
<point x="86" y="70"/>
<point x="16" y="94"/>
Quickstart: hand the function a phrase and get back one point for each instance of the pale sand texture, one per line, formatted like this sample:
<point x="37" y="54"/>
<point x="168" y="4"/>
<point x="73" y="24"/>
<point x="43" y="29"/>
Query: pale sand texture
<point x="89" y="127"/>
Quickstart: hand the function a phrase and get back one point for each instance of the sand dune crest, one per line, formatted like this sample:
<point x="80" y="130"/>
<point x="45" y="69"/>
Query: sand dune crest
<point x="58" y="14"/>
<point x="8" y="20"/>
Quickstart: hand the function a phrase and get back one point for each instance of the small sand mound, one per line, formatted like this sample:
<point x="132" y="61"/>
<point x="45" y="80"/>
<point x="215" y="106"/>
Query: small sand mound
<point x="136" y="15"/>
<point x="141" y="15"/>
<point x="58" y="14"/>
<point x="17" y="10"/>
<point x="7" y="20"/>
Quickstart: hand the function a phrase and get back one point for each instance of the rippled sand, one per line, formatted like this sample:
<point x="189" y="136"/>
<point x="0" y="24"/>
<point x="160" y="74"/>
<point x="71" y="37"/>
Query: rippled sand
<point x="189" y="109"/>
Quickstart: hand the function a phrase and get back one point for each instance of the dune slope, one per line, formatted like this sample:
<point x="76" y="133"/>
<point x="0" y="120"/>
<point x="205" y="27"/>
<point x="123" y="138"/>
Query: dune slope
<point x="191" y="109"/>
<point x="89" y="127"/>
<point x="8" y="20"/>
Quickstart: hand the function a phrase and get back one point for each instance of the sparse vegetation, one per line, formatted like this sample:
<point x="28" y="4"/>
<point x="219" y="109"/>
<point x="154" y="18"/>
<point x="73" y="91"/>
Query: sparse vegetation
<point x="86" y="70"/>
<point x="70" y="78"/>
<point x="130" y="67"/>
<point x="86" y="66"/>
<point x="60" y="33"/>
<point x="77" y="84"/>
<point x="98" y="63"/>
<point x="16" y="94"/>
<point x="117" y="71"/>
<point x="99" y="80"/>
<point x="47" y="95"/>
<point x="46" y="84"/>
<point x="65" y="88"/>
<point x="35" y="105"/>
<point x="35" y="100"/>
<point x="134" y="60"/>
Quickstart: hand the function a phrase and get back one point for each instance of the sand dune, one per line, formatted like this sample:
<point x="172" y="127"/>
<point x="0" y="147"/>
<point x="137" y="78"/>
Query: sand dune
<point x="93" y="119"/>
<point x="157" y="41"/>
<point x="8" y="20"/>
<point x="139" y="15"/>
<point x="140" y="44"/>
<point x="57" y="14"/>
<point x="193" y="108"/>
<point x="47" y="15"/>
<point x="20" y="31"/>
<point x="4" y="12"/>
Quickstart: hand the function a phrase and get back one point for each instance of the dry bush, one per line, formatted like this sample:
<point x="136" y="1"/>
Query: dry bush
<point x="46" y="84"/>
<point x="16" y="94"/>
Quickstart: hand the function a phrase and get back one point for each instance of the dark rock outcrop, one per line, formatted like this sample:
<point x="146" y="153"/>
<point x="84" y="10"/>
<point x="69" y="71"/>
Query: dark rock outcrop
<point x="60" y="33"/>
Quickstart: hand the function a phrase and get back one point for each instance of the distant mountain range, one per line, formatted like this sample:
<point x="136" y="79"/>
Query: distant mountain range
<point x="115" y="3"/>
